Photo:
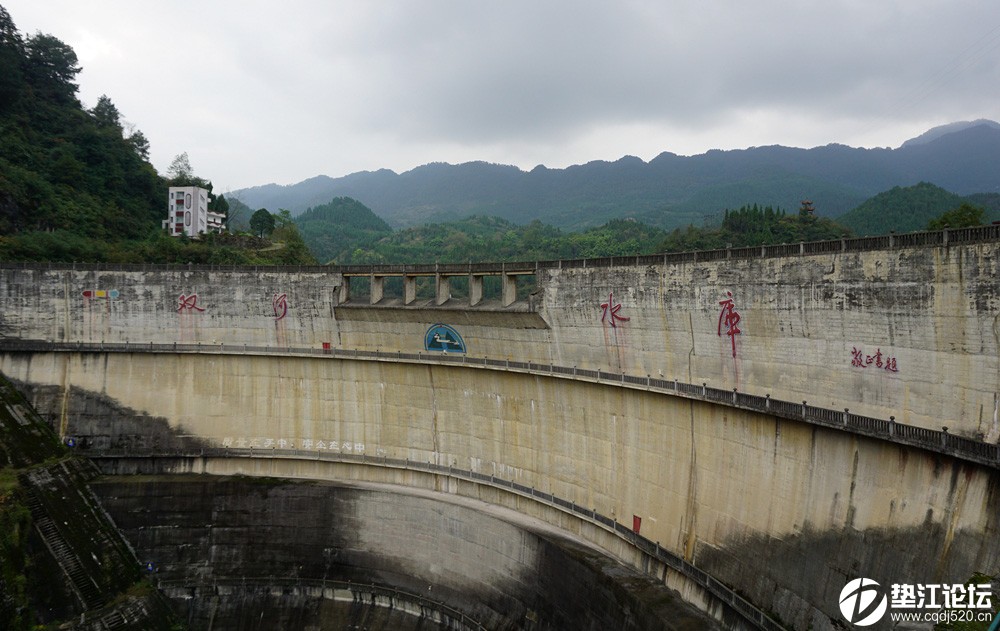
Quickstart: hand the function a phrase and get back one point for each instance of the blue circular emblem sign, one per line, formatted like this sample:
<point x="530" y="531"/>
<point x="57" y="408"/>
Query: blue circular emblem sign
<point x="441" y="337"/>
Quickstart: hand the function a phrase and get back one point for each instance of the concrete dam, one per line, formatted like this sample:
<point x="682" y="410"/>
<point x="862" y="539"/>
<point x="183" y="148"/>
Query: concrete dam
<point x="711" y="439"/>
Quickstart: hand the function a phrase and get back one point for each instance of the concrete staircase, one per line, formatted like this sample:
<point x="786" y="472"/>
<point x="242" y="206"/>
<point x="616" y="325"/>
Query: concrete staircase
<point x="84" y="587"/>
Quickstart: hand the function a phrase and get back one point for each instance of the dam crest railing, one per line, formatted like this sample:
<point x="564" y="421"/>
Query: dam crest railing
<point x="940" y="441"/>
<point x="938" y="238"/>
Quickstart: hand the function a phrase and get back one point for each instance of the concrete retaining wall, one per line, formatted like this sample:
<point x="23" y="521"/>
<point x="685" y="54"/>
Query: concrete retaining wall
<point x="910" y="333"/>
<point x="922" y="323"/>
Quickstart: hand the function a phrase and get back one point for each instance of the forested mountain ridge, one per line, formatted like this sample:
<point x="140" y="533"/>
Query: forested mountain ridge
<point x="668" y="191"/>
<point x="76" y="184"/>
<point x="63" y="167"/>
<point x="345" y="232"/>
<point x="911" y="208"/>
<point x="943" y="130"/>
<point x="341" y="229"/>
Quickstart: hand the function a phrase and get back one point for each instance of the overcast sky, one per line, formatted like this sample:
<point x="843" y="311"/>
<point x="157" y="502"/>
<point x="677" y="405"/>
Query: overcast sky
<point x="256" y="94"/>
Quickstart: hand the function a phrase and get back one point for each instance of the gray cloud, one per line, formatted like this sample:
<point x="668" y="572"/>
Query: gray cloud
<point x="319" y="87"/>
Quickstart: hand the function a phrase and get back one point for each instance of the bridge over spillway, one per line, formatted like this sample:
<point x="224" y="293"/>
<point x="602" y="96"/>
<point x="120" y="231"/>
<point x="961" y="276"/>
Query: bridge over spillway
<point x="768" y="422"/>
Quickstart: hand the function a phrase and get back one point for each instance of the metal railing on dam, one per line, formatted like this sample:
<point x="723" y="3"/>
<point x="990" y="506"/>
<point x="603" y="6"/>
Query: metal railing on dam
<point x="652" y="549"/>
<point x="371" y="594"/>
<point x="939" y="238"/>
<point x="939" y="441"/>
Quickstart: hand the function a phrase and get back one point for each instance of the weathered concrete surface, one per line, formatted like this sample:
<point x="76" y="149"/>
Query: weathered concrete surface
<point x="911" y="333"/>
<point x="732" y="490"/>
<point x="62" y="561"/>
<point x="503" y="573"/>
<point x="927" y="317"/>
<point x="934" y="311"/>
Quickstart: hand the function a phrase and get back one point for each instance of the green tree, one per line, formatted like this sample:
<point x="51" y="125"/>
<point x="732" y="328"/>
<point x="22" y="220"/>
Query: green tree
<point x="237" y="215"/>
<point x="52" y="67"/>
<point x="964" y="216"/>
<point x="11" y="61"/>
<point x="137" y="140"/>
<point x="262" y="223"/>
<point x="283" y="218"/>
<point x="180" y="168"/>
<point x="220" y="205"/>
<point x="106" y="114"/>
<point x="294" y="250"/>
<point x="753" y="225"/>
<point x="180" y="173"/>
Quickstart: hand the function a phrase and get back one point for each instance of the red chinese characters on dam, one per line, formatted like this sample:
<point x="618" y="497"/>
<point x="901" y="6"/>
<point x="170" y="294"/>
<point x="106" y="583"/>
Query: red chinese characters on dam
<point x="279" y="303"/>
<point x="188" y="303"/>
<point x="609" y="312"/>
<point x="860" y="360"/>
<point x="729" y="318"/>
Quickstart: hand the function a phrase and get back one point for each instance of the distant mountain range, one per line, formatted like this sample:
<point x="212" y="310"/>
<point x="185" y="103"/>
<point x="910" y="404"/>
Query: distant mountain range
<point x="668" y="191"/>
<point x="943" y="130"/>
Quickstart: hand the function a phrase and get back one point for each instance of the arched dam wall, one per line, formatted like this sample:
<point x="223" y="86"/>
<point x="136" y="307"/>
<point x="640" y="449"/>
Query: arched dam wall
<point x="907" y="332"/>
<point x="783" y="511"/>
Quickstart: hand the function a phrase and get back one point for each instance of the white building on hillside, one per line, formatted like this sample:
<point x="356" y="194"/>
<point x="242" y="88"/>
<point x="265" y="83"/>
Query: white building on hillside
<point x="188" y="213"/>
